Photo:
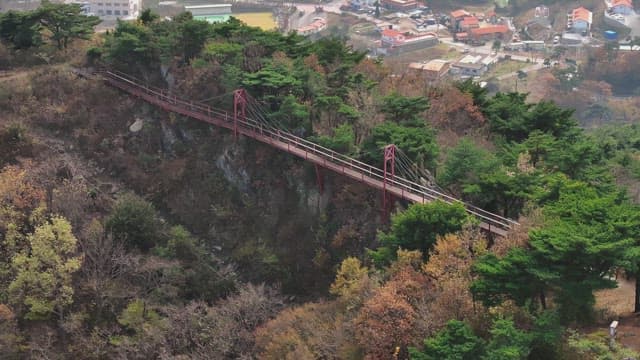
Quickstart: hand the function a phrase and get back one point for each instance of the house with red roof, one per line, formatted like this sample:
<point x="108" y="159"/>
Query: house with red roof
<point x="582" y="19"/>
<point x="315" y="27"/>
<point x="458" y="15"/>
<point x="489" y="33"/>
<point x="392" y="38"/>
<point x="468" y="23"/>
<point x="624" y="7"/>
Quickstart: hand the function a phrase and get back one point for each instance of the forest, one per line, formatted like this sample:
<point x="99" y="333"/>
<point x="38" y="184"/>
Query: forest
<point x="178" y="241"/>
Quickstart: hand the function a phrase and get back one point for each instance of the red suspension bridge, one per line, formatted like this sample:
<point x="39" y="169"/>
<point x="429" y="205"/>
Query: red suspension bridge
<point x="255" y="126"/>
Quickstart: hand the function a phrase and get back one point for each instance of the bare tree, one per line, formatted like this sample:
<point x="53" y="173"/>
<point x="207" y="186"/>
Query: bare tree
<point x="225" y="330"/>
<point x="106" y="266"/>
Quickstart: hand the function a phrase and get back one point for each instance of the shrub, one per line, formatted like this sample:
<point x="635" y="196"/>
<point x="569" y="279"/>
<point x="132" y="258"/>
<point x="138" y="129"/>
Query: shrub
<point x="135" y="221"/>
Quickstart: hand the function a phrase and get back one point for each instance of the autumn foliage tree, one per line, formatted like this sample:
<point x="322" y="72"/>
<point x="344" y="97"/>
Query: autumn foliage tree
<point x="19" y="195"/>
<point x="43" y="282"/>
<point x="386" y="322"/>
<point x="352" y="283"/>
<point x="310" y="331"/>
<point x="452" y="109"/>
<point x="449" y="267"/>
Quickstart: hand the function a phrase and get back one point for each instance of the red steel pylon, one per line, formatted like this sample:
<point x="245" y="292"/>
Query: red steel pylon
<point x="389" y="173"/>
<point x="239" y="108"/>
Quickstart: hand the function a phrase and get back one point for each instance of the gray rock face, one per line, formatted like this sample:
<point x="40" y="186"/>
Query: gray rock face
<point x="237" y="176"/>
<point x="168" y="136"/>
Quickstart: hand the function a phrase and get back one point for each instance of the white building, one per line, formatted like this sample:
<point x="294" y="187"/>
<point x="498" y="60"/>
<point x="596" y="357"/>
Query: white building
<point x="211" y="9"/>
<point x="115" y="9"/>
<point x="470" y="66"/>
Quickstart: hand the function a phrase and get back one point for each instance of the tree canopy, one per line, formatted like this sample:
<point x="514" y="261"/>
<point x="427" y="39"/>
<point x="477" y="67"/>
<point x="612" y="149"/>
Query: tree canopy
<point x="43" y="282"/>
<point x="59" y="22"/>
<point x="418" y="227"/>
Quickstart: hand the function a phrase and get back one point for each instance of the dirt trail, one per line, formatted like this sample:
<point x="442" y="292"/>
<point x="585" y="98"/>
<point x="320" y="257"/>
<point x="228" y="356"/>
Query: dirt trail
<point x="619" y="302"/>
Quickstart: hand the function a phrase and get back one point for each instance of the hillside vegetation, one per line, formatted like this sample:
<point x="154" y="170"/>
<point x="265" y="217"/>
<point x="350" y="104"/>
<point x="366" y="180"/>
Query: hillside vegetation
<point x="177" y="241"/>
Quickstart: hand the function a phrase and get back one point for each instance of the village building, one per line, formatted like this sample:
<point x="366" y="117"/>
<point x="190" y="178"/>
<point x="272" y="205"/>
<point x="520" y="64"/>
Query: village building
<point x="212" y="12"/>
<point x="468" y="23"/>
<point x="456" y="18"/>
<point x="489" y="33"/>
<point x="472" y="65"/>
<point x="624" y="7"/>
<point x="315" y="27"/>
<point x="391" y="37"/>
<point x="571" y="38"/>
<point x="468" y="69"/>
<point x="414" y="43"/>
<point x="400" y="5"/>
<point x="432" y="70"/>
<point x="582" y="19"/>
<point x="533" y="45"/>
<point x="394" y="42"/>
<point x="542" y="11"/>
<point x="459" y="15"/>
<point x="114" y="9"/>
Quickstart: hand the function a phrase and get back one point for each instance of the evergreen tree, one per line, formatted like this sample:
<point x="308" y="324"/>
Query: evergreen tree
<point x="455" y="342"/>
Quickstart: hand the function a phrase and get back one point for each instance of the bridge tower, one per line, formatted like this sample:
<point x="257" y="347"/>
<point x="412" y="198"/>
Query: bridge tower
<point x="389" y="171"/>
<point x="239" y="108"/>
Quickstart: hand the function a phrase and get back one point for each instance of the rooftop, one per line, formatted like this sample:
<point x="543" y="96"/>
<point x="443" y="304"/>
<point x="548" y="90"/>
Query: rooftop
<point x="390" y="33"/>
<point x="400" y="2"/>
<point x="212" y="18"/>
<point x="192" y="7"/>
<point x="459" y="13"/>
<point x="436" y="65"/>
<point x="628" y="3"/>
<point x="429" y="36"/>
<point x="314" y="26"/>
<point x="470" y="20"/>
<point x="582" y="14"/>
<point x="474" y="66"/>
<point x="471" y="59"/>
<point x="494" y="29"/>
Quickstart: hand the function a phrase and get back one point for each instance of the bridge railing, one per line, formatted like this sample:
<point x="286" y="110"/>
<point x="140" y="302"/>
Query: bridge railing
<point x="406" y="187"/>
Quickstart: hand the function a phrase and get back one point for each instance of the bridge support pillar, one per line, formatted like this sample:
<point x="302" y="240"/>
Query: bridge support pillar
<point x="389" y="173"/>
<point x="239" y="109"/>
<point x="319" y="179"/>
